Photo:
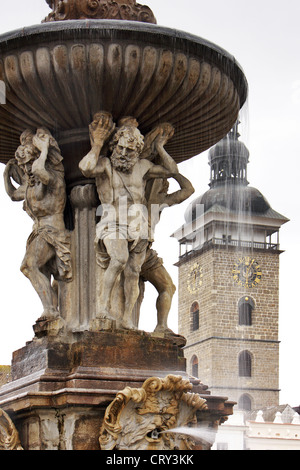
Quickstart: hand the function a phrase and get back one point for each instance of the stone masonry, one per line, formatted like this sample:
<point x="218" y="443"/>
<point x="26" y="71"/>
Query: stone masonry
<point x="220" y="339"/>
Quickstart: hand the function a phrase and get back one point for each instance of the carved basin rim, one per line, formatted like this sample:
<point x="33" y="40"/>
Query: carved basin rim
<point x="117" y="29"/>
<point x="184" y="64"/>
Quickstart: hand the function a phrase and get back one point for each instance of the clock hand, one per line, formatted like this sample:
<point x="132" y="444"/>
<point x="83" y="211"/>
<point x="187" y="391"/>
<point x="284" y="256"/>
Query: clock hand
<point x="248" y="269"/>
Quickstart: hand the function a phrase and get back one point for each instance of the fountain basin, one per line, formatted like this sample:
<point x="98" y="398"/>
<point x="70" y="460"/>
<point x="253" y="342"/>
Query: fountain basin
<point x="59" y="74"/>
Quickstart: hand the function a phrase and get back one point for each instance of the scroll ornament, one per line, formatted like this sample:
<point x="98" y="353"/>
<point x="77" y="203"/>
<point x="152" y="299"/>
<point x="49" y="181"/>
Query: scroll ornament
<point x="143" y="419"/>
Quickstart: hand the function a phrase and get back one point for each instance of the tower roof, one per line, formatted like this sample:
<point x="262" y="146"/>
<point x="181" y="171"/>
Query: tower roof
<point x="229" y="188"/>
<point x="232" y="198"/>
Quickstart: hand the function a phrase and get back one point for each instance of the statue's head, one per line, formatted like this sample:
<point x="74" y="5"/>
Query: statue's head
<point x="126" y="146"/>
<point x="26" y="137"/>
<point x="42" y="136"/>
<point x="26" y="153"/>
<point x="30" y="149"/>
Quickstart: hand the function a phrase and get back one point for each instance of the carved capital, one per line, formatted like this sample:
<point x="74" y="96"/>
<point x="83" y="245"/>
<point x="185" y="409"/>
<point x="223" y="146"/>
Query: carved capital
<point x="99" y="9"/>
<point x="84" y="197"/>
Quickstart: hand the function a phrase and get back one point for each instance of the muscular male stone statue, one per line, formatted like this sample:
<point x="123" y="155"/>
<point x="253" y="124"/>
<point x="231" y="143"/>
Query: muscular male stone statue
<point x="153" y="269"/>
<point x="122" y="235"/>
<point x="38" y="170"/>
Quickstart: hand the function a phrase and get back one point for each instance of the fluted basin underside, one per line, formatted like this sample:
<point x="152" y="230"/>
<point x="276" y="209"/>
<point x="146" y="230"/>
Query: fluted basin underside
<point x="59" y="74"/>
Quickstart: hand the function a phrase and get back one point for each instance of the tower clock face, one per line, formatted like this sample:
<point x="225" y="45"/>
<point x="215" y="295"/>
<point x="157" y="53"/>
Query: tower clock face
<point x="195" y="278"/>
<point x="247" y="272"/>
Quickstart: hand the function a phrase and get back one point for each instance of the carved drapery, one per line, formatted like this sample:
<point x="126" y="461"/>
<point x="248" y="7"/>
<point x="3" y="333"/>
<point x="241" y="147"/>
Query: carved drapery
<point x="99" y="9"/>
<point x="9" y="437"/>
<point x="143" y="419"/>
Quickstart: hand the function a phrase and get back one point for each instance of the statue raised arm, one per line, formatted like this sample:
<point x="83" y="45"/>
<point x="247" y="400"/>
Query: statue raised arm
<point x="101" y="129"/>
<point x="13" y="172"/>
<point x="38" y="169"/>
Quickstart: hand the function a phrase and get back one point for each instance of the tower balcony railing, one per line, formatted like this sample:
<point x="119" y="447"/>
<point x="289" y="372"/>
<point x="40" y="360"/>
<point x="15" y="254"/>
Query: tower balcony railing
<point x="245" y="244"/>
<point x="240" y="244"/>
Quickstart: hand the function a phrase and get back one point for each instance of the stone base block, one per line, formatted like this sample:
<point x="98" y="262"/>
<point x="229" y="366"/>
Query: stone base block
<point x="61" y="389"/>
<point x="45" y="327"/>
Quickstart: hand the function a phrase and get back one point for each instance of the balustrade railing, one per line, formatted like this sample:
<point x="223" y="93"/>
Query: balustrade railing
<point x="235" y="243"/>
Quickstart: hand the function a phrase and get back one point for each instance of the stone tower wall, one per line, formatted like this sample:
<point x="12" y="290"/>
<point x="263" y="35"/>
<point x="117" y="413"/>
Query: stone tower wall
<point x="220" y="339"/>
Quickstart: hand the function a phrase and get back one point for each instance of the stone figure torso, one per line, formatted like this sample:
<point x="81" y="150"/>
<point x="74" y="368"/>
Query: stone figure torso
<point x="44" y="201"/>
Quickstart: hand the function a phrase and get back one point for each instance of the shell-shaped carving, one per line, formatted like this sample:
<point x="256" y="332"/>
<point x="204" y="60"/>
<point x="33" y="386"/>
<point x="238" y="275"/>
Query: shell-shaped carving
<point x="159" y="406"/>
<point x="146" y="73"/>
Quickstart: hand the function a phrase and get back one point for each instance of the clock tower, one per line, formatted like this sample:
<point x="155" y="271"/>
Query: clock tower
<point x="229" y="283"/>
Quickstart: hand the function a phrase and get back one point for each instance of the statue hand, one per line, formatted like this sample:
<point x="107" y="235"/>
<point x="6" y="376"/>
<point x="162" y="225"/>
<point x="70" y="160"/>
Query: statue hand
<point x="101" y="128"/>
<point x="12" y="170"/>
<point x="41" y="142"/>
<point x="37" y="166"/>
<point x="165" y="134"/>
<point x="9" y="167"/>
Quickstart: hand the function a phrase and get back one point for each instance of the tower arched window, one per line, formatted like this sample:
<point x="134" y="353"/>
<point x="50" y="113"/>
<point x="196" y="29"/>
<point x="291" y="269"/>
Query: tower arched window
<point x="245" y="403"/>
<point x="245" y="364"/>
<point x="194" y="316"/>
<point x="195" y="366"/>
<point x="246" y="307"/>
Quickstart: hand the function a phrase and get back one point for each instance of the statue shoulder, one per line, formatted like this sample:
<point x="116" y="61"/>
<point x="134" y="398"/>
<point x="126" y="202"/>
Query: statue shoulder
<point x="145" y="165"/>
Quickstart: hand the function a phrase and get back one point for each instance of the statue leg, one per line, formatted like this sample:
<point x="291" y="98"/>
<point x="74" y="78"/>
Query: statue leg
<point x="131" y="286"/>
<point x="38" y="254"/>
<point x="118" y="253"/>
<point x="162" y="281"/>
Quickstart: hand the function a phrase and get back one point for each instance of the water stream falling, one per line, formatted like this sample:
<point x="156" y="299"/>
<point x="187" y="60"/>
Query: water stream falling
<point x="199" y="433"/>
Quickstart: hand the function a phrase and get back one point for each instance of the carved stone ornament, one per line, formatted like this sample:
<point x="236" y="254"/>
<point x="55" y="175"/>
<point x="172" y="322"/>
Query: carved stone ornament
<point x="143" y="419"/>
<point x="9" y="437"/>
<point x="99" y="9"/>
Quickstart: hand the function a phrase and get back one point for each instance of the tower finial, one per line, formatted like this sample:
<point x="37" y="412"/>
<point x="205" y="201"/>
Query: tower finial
<point x="234" y="133"/>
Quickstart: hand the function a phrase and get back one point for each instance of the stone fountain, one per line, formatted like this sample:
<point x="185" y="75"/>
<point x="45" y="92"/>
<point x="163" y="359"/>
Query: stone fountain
<point x="102" y="104"/>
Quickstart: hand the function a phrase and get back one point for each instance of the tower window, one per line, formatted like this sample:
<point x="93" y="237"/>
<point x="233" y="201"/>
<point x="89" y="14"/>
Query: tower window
<point x="245" y="364"/>
<point x="246" y="306"/>
<point x="245" y="403"/>
<point x="194" y="316"/>
<point x="195" y="366"/>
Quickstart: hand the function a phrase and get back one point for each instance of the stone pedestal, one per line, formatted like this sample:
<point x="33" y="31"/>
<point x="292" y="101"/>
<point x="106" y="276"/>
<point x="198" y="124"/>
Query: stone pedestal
<point x="61" y="389"/>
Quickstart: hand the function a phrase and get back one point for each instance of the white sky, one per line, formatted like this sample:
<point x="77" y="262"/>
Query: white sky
<point x="264" y="37"/>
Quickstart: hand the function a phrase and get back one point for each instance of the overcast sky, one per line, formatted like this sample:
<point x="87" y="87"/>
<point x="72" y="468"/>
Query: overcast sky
<point x="264" y="37"/>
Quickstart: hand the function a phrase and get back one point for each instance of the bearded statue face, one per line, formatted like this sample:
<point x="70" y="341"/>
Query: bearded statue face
<point x="127" y="149"/>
